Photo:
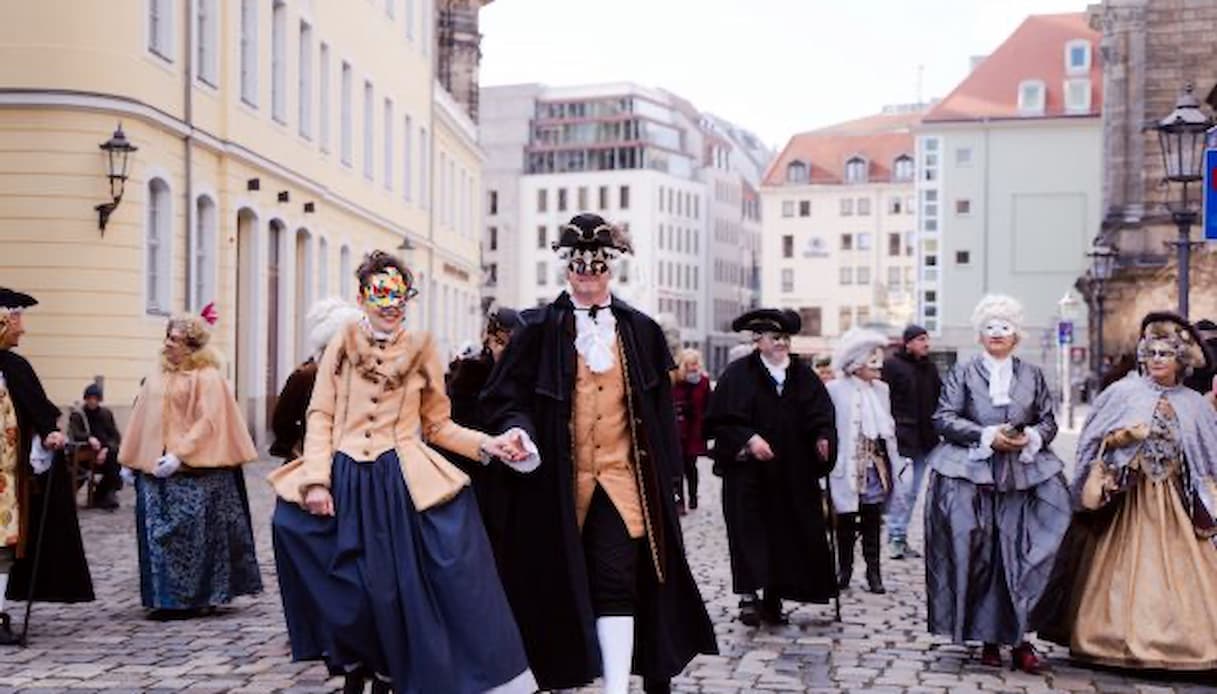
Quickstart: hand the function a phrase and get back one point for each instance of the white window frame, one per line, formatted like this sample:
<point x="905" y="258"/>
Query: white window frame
<point x="1036" y="107"/>
<point x="278" y="61"/>
<point x="862" y="275"/>
<point x="856" y="170"/>
<point x="787" y="280"/>
<point x="1077" y="85"/>
<point x="160" y="29"/>
<point x="408" y="20"/>
<point x="203" y="253"/>
<point x="346" y="142"/>
<point x="323" y="267"/>
<point x="424" y="169"/>
<point x="798" y="172"/>
<point x="787" y="208"/>
<point x="158" y="247"/>
<point x="903" y="168"/>
<point x="407" y="156"/>
<point x="304" y="87"/>
<point x="1084" y="68"/>
<point x="369" y="130"/>
<point x="963" y="156"/>
<point x="390" y="128"/>
<point x="425" y="21"/>
<point x="344" y="273"/>
<point x="323" y="85"/>
<point x="248" y="47"/>
<point x="207" y="42"/>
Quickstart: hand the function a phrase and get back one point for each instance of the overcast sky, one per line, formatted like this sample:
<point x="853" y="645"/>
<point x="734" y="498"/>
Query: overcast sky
<point x="776" y="67"/>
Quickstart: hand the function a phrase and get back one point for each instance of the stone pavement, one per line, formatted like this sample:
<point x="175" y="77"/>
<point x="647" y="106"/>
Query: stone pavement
<point x="880" y="646"/>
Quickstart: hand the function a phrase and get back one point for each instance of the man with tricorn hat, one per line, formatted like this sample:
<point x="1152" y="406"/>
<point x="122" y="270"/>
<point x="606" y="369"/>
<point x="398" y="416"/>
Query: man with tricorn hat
<point x="29" y="440"/>
<point x="595" y="566"/>
<point x="774" y="437"/>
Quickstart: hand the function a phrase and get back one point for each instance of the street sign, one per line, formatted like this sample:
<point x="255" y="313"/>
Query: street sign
<point x="1064" y="332"/>
<point x="1210" y="190"/>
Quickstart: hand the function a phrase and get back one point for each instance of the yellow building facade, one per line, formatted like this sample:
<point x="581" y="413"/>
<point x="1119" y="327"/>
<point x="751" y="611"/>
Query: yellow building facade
<point x="278" y="142"/>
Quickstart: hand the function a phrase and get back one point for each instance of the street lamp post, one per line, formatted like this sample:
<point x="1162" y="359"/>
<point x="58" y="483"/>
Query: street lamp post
<point x="1181" y="135"/>
<point x="1068" y="309"/>
<point x="1103" y="260"/>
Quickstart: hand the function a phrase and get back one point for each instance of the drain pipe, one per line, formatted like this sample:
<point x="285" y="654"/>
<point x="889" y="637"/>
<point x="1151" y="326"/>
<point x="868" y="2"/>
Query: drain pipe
<point x="192" y="300"/>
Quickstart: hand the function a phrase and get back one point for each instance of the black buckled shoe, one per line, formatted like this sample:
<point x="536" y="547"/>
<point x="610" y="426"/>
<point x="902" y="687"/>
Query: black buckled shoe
<point x="750" y="611"/>
<point x="7" y="637"/>
<point x="771" y="611"/>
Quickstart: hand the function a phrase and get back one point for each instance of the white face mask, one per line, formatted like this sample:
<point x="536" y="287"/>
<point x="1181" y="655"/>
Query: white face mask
<point x="876" y="360"/>
<point x="998" y="328"/>
<point x="693" y="377"/>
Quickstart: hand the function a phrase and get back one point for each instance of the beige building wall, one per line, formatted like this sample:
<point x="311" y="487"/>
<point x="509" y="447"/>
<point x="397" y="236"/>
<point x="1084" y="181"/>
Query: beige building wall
<point x="287" y="209"/>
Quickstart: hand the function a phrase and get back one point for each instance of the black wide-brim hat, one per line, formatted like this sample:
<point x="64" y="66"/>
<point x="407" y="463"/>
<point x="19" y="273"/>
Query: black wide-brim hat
<point x="587" y="231"/>
<point x="772" y="320"/>
<point x="12" y="299"/>
<point x="1200" y="352"/>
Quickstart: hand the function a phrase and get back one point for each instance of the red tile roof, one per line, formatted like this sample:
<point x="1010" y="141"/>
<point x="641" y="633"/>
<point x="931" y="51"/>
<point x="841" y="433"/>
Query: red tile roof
<point x="879" y="139"/>
<point x="1035" y="51"/>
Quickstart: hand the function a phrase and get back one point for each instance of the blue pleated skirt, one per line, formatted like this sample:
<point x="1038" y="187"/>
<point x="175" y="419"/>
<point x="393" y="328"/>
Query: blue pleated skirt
<point x="411" y="596"/>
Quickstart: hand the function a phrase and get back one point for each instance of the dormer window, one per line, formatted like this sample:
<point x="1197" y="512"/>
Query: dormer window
<point x="902" y="168"/>
<point x="1077" y="95"/>
<point x="796" y="172"/>
<point x="1031" y="97"/>
<point x="1077" y="57"/>
<point x="855" y="170"/>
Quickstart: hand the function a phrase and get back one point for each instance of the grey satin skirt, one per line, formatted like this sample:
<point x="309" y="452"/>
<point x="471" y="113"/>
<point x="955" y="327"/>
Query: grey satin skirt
<point x="989" y="555"/>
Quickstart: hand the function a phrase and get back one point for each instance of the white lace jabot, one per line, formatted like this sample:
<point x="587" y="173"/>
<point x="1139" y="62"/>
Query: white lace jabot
<point x="596" y="338"/>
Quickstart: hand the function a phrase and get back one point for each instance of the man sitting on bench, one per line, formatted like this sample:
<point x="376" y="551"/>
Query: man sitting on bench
<point x="91" y="427"/>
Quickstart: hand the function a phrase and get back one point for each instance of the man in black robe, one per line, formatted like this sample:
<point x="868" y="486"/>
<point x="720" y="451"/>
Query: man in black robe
<point x="29" y="456"/>
<point x="594" y="565"/>
<point x="775" y="437"/>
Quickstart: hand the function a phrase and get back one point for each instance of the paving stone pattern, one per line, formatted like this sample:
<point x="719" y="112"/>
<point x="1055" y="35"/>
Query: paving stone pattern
<point x="880" y="646"/>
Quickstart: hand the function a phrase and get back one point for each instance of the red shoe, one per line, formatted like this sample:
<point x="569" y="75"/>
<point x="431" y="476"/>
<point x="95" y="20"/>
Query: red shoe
<point x="990" y="655"/>
<point x="1024" y="658"/>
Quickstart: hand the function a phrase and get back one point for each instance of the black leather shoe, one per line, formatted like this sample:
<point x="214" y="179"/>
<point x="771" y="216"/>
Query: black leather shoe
<point x="7" y="637"/>
<point x="750" y="611"/>
<point x="874" y="582"/>
<point x="771" y="612"/>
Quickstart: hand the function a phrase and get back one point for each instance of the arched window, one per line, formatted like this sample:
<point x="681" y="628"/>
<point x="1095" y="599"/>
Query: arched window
<point x="902" y="168"/>
<point x="345" y="273"/>
<point x="323" y="268"/>
<point x="202" y="255"/>
<point x="158" y="256"/>
<point x="855" y="170"/>
<point x="796" y="172"/>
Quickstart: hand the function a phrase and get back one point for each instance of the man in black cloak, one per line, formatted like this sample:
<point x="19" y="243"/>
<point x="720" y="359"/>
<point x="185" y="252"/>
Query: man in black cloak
<point x="594" y="565"/>
<point x="774" y="432"/>
<point x="30" y="454"/>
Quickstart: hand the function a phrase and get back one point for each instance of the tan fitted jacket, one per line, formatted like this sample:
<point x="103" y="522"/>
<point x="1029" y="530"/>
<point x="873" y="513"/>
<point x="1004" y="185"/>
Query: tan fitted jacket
<point x="370" y="398"/>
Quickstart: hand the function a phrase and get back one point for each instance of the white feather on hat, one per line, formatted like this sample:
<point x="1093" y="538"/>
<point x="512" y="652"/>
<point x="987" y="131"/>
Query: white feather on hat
<point x="325" y="318"/>
<point x="998" y="307"/>
<point x="855" y="349"/>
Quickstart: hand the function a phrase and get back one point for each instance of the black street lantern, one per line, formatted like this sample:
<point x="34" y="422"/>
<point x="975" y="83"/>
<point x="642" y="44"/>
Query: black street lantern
<point x="1103" y="259"/>
<point x="118" y="151"/>
<point x="1103" y="265"/>
<point x="1181" y="135"/>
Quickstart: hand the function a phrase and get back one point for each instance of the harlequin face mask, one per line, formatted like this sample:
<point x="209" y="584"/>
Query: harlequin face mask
<point x="589" y="261"/>
<point x="388" y="289"/>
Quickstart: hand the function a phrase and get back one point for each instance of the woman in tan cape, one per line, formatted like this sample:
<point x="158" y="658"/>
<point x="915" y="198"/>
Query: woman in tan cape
<point x="187" y="442"/>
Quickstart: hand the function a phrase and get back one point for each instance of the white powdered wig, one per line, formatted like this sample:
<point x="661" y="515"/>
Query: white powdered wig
<point x="855" y="349"/>
<point x="998" y="307"/>
<point x="325" y="318"/>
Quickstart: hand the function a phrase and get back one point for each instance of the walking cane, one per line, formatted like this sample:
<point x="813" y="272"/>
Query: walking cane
<point x="830" y="523"/>
<point x="46" y="505"/>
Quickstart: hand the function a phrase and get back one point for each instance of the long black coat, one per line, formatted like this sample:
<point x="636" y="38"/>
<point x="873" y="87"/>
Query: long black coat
<point x="915" y="386"/>
<point x="774" y="509"/>
<point x="541" y="560"/>
<point x="64" y="573"/>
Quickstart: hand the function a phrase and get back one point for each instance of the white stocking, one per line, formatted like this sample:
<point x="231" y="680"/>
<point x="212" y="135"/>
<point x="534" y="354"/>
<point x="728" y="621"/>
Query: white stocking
<point x="3" y="588"/>
<point x="616" y="636"/>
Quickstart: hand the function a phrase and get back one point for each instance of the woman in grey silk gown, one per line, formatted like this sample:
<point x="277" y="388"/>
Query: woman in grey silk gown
<point x="998" y="505"/>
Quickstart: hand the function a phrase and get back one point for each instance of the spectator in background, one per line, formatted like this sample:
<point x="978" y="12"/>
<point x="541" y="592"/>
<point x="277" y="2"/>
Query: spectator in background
<point x="690" y="394"/>
<point x="1201" y="379"/>
<point x="92" y="425"/>
<point x="822" y="365"/>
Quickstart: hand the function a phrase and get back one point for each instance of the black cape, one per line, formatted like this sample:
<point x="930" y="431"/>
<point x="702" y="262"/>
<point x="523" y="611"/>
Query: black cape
<point x="541" y="561"/>
<point x="64" y="573"/>
<point x="774" y="510"/>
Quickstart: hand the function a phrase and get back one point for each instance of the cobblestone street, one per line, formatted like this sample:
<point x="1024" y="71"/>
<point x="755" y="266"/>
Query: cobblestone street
<point x="881" y="645"/>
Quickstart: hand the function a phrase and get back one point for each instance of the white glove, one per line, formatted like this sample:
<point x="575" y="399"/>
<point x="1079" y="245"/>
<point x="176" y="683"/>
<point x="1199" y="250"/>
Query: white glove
<point x="40" y="457"/>
<point x="127" y="475"/>
<point x="167" y="465"/>
<point x="533" y="461"/>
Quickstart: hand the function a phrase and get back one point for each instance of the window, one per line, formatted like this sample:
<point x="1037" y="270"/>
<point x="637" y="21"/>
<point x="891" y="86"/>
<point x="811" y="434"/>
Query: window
<point x="963" y="206"/>
<point x="846" y="275"/>
<point x="902" y="168"/>
<point x="542" y="200"/>
<point x="542" y="273"/>
<point x="1031" y="97"/>
<point x="203" y="265"/>
<point x="847" y="242"/>
<point x="864" y="241"/>
<point x="369" y="127"/>
<point x="894" y="205"/>
<point x="305" y="86"/>
<point x="492" y="274"/>
<point x="160" y="28"/>
<point x="388" y="143"/>
<point x="862" y="314"/>
<point x="963" y="156"/>
<point x="863" y="274"/>
<point x="893" y="244"/>
<point x="847" y="207"/>
<point x="908" y="244"/>
<point x="324" y="115"/>
<point x="323" y="267"/>
<point x="604" y="197"/>
<point x="492" y="243"/>
<point x="804" y="208"/>
<point x="424" y="20"/>
<point x="796" y="172"/>
<point x="159" y="258"/>
<point x="278" y="61"/>
<point x="249" y="52"/>
<point x="855" y="170"/>
<point x="344" y="272"/>
<point x="893" y="277"/>
<point x="864" y="207"/>
<point x="583" y="199"/>
<point x="493" y="204"/>
<point x="908" y="205"/>
<point x="931" y="261"/>
<point x="561" y="199"/>
<point x="788" y="208"/>
<point x="845" y="319"/>
<point x="787" y="280"/>
<point x="962" y="257"/>
<point x="1077" y="57"/>
<point x="623" y="195"/>
<point x="407" y="156"/>
<point x="424" y="168"/>
<point x="409" y="20"/>
<point x="788" y="246"/>
<point x="345" y="117"/>
<point x="390" y="10"/>
<point x="542" y="236"/>
<point x="207" y="18"/>
<point x="443" y="188"/>
<point x="812" y="321"/>
<point x="1077" y="95"/>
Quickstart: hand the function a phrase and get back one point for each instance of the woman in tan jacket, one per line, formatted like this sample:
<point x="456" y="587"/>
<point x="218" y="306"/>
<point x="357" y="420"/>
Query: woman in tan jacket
<point x="187" y="441"/>
<point x="391" y="551"/>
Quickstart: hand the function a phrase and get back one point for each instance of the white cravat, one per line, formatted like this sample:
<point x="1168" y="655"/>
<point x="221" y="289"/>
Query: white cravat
<point x="1001" y="374"/>
<point x="596" y="338"/>
<point x="777" y="371"/>
<point x="875" y="422"/>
